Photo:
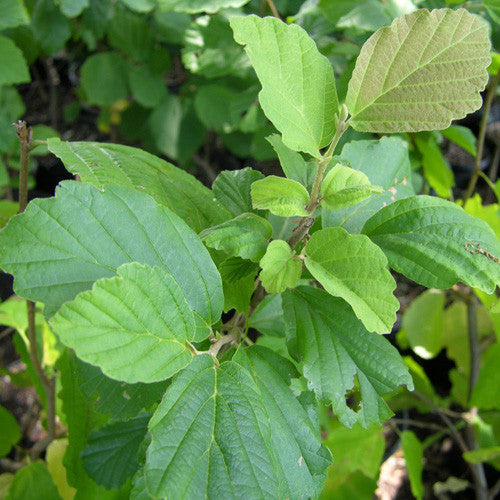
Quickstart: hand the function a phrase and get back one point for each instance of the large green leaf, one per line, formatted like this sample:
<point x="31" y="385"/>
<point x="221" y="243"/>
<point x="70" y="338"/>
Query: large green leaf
<point x="110" y="456"/>
<point x="101" y="164"/>
<point x="280" y="268"/>
<point x="352" y="267"/>
<point x="338" y="354"/>
<point x="298" y="87"/>
<point x="281" y="196"/>
<point x="385" y="163"/>
<point x="434" y="242"/>
<point x="294" y="435"/>
<point x="32" y="483"/>
<point x="61" y="245"/>
<point x="14" y="67"/>
<point x="211" y="437"/>
<point x="50" y="27"/>
<point x="420" y="73"/>
<point x="195" y="6"/>
<point x="141" y="316"/>
<point x="232" y="189"/>
<point x="245" y="236"/>
<point x="12" y="13"/>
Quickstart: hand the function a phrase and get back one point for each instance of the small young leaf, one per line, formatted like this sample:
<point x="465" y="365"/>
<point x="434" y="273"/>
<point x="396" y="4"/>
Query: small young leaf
<point x="298" y="87"/>
<point x="344" y="187"/>
<point x="54" y="458"/>
<point x="232" y="189"/>
<point x="352" y="267"/>
<point x="280" y="269"/>
<point x="14" y="67"/>
<point x="280" y="196"/>
<point x="386" y="163"/>
<point x="13" y="13"/>
<point x="245" y="236"/>
<point x="211" y="437"/>
<point x="435" y="243"/>
<point x="462" y="136"/>
<point x="485" y="393"/>
<point x="141" y="316"/>
<point x="420" y="73"/>
<point x="414" y="456"/>
<point x="295" y="438"/>
<point x="110" y="456"/>
<point x="336" y="349"/>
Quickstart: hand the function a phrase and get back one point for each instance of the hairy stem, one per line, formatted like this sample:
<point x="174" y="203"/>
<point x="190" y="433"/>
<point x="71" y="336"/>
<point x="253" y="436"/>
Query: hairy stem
<point x="25" y="134"/>
<point x="482" y="134"/>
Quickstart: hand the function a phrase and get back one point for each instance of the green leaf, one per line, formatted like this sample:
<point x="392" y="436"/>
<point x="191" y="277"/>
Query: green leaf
<point x="245" y="236"/>
<point x="73" y="8"/>
<point x="110" y="456"/>
<point x="104" y="78"/>
<point x="111" y="397"/>
<point x="436" y="169"/>
<point x="425" y="337"/>
<point x="130" y="33"/>
<point x="414" y="456"/>
<point x="50" y="27"/>
<point x="280" y="268"/>
<point x="333" y="11"/>
<point x="148" y="88"/>
<point x="343" y="187"/>
<point x="462" y="136"/>
<point x="195" y="6"/>
<point x="80" y="418"/>
<point x="232" y="189"/>
<point x="32" y="482"/>
<point x="337" y="351"/>
<point x="493" y="9"/>
<point x="352" y="267"/>
<point x="298" y="87"/>
<point x="280" y="196"/>
<point x="101" y="164"/>
<point x="369" y="15"/>
<point x="54" y="457"/>
<point x="175" y="129"/>
<point x="490" y="453"/>
<point x="485" y="393"/>
<point x="14" y="67"/>
<point x="211" y="437"/>
<point x="268" y="317"/>
<point x="140" y="5"/>
<point x="238" y="293"/>
<point x="433" y="242"/>
<point x="11" y="433"/>
<point x="61" y="245"/>
<point x="420" y="73"/>
<point x="210" y="49"/>
<point x="294" y="437"/>
<point x="12" y="13"/>
<point x="141" y="316"/>
<point x="385" y="163"/>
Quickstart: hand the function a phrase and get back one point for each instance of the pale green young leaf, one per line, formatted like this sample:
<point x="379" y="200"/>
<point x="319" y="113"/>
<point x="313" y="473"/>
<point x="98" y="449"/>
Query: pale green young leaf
<point x="14" y="67"/>
<point x="423" y="323"/>
<point x="110" y="455"/>
<point x="338" y="352"/>
<point x="386" y="163"/>
<point x="436" y="169"/>
<point x="140" y="315"/>
<point x="414" y="458"/>
<point x="61" y="245"/>
<point x="280" y="268"/>
<point x="294" y="437"/>
<point x="54" y="458"/>
<point x="211" y="437"/>
<point x="486" y="454"/>
<point x="343" y="187"/>
<point x="281" y="196"/>
<point x="245" y="236"/>
<point x="420" y="73"/>
<point x="435" y="243"/>
<point x="195" y="6"/>
<point x="298" y="87"/>
<point x="352" y="267"/>
<point x="100" y="164"/>
<point x="232" y="189"/>
<point x="13" y="13"/>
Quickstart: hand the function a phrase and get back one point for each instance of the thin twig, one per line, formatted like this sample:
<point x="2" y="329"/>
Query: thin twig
<point x="271" y="6"/>
<point x="482" y="134"/>
<point x="495" y="490"/>
<point x="206" y="167"/>
<point x="422" y="425"/>
<point x="474" y="347"/>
